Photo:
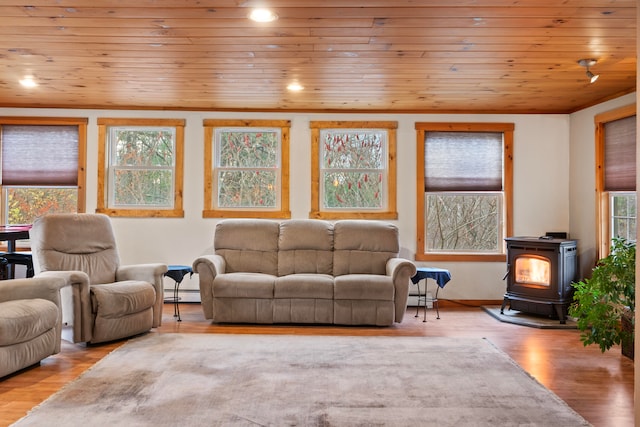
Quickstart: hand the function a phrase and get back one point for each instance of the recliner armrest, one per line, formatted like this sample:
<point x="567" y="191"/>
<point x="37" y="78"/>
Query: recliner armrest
<point x="152" y="273"/>
<point x="144" y="272"/>
<point x="75" y="301"/>
<point x="45" y="287"/>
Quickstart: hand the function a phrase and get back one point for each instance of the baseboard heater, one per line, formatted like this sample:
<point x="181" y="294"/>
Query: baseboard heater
<point x="184" y="295"/>
<point x="413" y="301"/>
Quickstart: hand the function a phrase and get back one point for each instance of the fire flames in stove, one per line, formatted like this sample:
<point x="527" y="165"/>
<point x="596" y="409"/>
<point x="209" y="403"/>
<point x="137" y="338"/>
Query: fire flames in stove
<point x="533" y="270"/>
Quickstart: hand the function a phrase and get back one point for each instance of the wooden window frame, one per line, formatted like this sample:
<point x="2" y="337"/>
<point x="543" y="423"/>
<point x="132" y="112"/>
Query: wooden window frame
<point x="81" y="123"/>
<point x="507" y="131"/>
<point x="603" y="214"/>
<point x="103" y="165"/>
<point x="391" y="211"/>
<point x="210" y="125"/>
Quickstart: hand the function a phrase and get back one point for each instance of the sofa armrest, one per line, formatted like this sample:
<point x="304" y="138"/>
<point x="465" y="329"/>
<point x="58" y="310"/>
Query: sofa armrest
<point x="152" y="273"/>
<point x="215" y="263"/>
<point x="401" y="271"/>
<point x="75" y="301"/>
<point x="208" y="267"/>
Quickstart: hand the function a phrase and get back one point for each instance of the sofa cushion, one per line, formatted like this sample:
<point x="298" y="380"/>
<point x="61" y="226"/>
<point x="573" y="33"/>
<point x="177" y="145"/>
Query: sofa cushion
<point x="113" y="300"/>
<point x="248" y="245"/>
<point x="244" y="285"/>
<point x="305" y="246"/>
<point x="91" y="247"/>
<point x="310" y="286"/>
<point x="364" y="287"/>
<point x="363" y="247"/>
<point x="24" y="319"/>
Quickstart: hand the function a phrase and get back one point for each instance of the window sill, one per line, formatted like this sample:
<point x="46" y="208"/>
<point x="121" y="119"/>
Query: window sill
<point x="353" y="215"/>
<point x="246" y="214"/>
<point x="462" y="257"/>
<point x="143" y="213"/>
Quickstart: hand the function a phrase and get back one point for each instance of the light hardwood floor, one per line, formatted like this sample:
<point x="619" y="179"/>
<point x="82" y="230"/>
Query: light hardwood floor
<point x="598" y="386"/>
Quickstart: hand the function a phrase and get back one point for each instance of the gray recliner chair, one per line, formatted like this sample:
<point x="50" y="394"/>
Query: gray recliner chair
<point x="30" y="322"/>
<point x="105" y="300"/>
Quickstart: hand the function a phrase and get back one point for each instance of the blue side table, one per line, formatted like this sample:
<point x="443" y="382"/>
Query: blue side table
<point x="177" y="273"/>
<point x="440" y="275"/>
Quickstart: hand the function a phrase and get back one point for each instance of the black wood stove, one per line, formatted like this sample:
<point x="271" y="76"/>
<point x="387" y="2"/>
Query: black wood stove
<point x="540" y="271"/>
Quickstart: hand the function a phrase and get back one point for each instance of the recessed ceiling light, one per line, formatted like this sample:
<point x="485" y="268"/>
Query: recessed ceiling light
<point x="262" y="15"/>
<point x="28" y="81"/>
<point x="295" y="87"/>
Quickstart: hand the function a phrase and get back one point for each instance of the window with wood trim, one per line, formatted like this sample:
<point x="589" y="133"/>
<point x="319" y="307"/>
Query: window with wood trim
<point x="353" y="170"/>
<point x="246" y="165"/>
<point x="140" y="167"/>
<point x="616" y="176"/>
<point x="43" y="167"/>
<point x="464" y="195"/>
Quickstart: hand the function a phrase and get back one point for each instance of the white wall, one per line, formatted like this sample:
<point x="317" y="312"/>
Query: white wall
<point x="582" y="179"/>
<point x="541" y="174"/>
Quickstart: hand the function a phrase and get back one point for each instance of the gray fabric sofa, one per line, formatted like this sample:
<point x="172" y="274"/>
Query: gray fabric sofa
<point x="304" y="271"/>
<point x="30" y="322"/>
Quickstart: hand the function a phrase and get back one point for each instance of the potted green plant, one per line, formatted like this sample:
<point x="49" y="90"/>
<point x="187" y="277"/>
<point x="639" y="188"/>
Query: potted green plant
<point x="604" y="304"/>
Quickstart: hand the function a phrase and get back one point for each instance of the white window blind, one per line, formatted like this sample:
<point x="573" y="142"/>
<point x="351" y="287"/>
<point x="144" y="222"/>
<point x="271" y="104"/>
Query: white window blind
<point x="620" y="154"/>
<point x="40" y="155"/>
<point x="463" y="161"/>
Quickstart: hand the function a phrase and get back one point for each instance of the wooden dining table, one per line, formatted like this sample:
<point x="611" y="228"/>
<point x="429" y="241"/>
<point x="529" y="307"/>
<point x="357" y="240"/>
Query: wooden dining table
<point x="11" y="234"/>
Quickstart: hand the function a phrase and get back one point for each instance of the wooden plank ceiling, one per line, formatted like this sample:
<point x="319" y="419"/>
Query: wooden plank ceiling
<point x="502" y="56"/>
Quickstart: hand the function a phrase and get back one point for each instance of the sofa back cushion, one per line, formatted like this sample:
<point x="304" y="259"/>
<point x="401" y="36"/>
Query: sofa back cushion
<point x="248" y="245"/>
<point x="305" y="246"/>
<point x="363" y="246"/>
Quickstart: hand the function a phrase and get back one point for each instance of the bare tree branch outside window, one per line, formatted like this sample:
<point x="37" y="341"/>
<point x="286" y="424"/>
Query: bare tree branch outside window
<point x="463" y="222"/>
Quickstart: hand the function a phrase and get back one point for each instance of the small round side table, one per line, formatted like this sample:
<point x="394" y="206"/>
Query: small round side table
<point x="177" y="273"/>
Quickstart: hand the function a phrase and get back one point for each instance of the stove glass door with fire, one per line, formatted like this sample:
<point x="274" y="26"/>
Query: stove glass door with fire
<point x="540" y="273"/>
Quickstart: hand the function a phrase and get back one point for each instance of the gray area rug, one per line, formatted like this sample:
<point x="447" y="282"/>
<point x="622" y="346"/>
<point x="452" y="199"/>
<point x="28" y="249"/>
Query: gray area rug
<point x="527" y="319"/>
<point x="289" y="380"/>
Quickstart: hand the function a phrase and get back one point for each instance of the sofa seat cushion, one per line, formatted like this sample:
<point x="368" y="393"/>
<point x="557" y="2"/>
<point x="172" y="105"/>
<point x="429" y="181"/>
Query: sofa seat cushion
<point x="319" y="286"/>
<point x="244" y="285"/>
<point x="23" y="320"/>
<point x="114" y="300"/>
<point x="364" y="287"/>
